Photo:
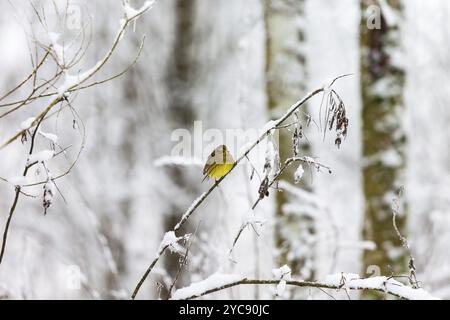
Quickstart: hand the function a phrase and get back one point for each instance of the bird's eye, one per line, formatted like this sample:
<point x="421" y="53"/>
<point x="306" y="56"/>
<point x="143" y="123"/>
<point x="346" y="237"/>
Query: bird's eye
<point x="213" y="154"/>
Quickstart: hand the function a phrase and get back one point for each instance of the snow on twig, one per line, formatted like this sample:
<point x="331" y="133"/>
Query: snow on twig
<point x="73" y="82"/>
<point x="218" y="282"/>
<point x="200" y="288"/>
<point x="177" y="161"/>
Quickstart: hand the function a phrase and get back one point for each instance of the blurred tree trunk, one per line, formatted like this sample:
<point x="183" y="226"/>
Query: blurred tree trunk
<point x="181" y="75"/>
<point x="286" y="78"/>
<point x="382" y="82"/>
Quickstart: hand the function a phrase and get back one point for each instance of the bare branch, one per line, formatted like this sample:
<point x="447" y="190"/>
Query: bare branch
<point x="33" y="73"/>
<point x="18" y="192"/>
<point x="183" y="261"/>
<point x="85" y="76"/>
<point x="287" y="163"/>
<point x="70" y="86"/>
<point x="411" y="265"/>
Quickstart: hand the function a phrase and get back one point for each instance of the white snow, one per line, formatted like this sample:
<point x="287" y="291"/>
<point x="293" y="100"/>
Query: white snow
<point x="245" y="147"/>
<point x="177" y="161"/>
<point x="408" y="292"/>
<point x="216" y="280"/>
<point x="255" y="218"/>
<point x="50" y="136"/>
<point x="49" y="193"/>
<point x="41" y="156"/>
<point x="171" y="240"/>
<point x="385" y="87"/>
<point x="357" y="245"/>
<point x="281" y="286"/>
<point x="390" y="16"/>
<point x="283" y="274"/>
<point x="293" y="208"/>
<point x="298" y="174"/>
<point x="309" y="159"/>
<point x="74" y="80"/>
<point x="131" y="13"/>
<point x="26" y="124"/>
<point x="305" y="196"/>
<point x="58" y="49"/>
<point x="392" y="286"/>
<point x="18" y="181"/>
<point x="270" y="154"/>
<point x="391" y="158"/>
<point x="338" y="278"/>
<point x="269" y="125"/>
<point x="193" y="205"/>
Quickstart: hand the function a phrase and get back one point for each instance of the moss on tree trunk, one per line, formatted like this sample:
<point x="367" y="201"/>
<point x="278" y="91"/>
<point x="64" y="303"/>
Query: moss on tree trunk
<point x="382" y="83"/>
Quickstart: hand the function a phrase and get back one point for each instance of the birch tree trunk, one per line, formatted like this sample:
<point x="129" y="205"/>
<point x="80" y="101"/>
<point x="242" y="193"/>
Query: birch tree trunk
<point x="384" y="141"/>
<point x="286" y="79"/>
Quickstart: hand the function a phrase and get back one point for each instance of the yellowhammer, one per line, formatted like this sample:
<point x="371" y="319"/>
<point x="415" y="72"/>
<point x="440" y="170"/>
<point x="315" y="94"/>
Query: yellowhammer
<point x="219" y="163"/>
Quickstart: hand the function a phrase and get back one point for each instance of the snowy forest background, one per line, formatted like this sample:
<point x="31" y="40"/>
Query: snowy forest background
<point x="230" y="64"/>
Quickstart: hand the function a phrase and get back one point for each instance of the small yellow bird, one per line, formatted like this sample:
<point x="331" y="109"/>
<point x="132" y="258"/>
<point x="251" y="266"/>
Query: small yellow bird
<point x="219" y="163"/>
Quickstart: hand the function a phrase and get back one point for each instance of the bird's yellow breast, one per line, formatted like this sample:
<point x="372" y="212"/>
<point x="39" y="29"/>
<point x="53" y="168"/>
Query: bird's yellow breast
<point x="219" y="170"/>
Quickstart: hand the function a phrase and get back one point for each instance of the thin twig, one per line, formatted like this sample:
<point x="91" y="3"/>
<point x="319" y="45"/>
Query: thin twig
<point x="61" y="96"/>
<point x="238" y="235"/>
<point x="34" y="72"/>
<point x="85" y="77"/>
<point x="286" y="164"/>
<point x="87" y="86"/>
<point x="183" y="262"/>
<point x="411" y="265"/>
<point x="18" y="192"/>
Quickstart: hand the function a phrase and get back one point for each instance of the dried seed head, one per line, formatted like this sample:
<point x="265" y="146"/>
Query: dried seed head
<point x="49" y="193"/>
<point x="23" y="137"/>
<point x="338" y="142"/>
<point x="264" y="188"/>
<point x="298" y="174"/>
<point x="296" y="140"/>
<point x="337" y="118"/>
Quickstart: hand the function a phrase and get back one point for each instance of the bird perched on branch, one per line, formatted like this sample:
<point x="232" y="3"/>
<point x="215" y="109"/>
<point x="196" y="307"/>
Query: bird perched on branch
<point x="219" y="163"/>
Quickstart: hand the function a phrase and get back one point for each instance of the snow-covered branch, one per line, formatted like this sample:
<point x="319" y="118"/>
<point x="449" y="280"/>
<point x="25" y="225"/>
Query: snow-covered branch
<point x="74" y="81"/>
<point x="270" y="127"/>
<point x="28" y="165"/>
<point x="342" y="281"/>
